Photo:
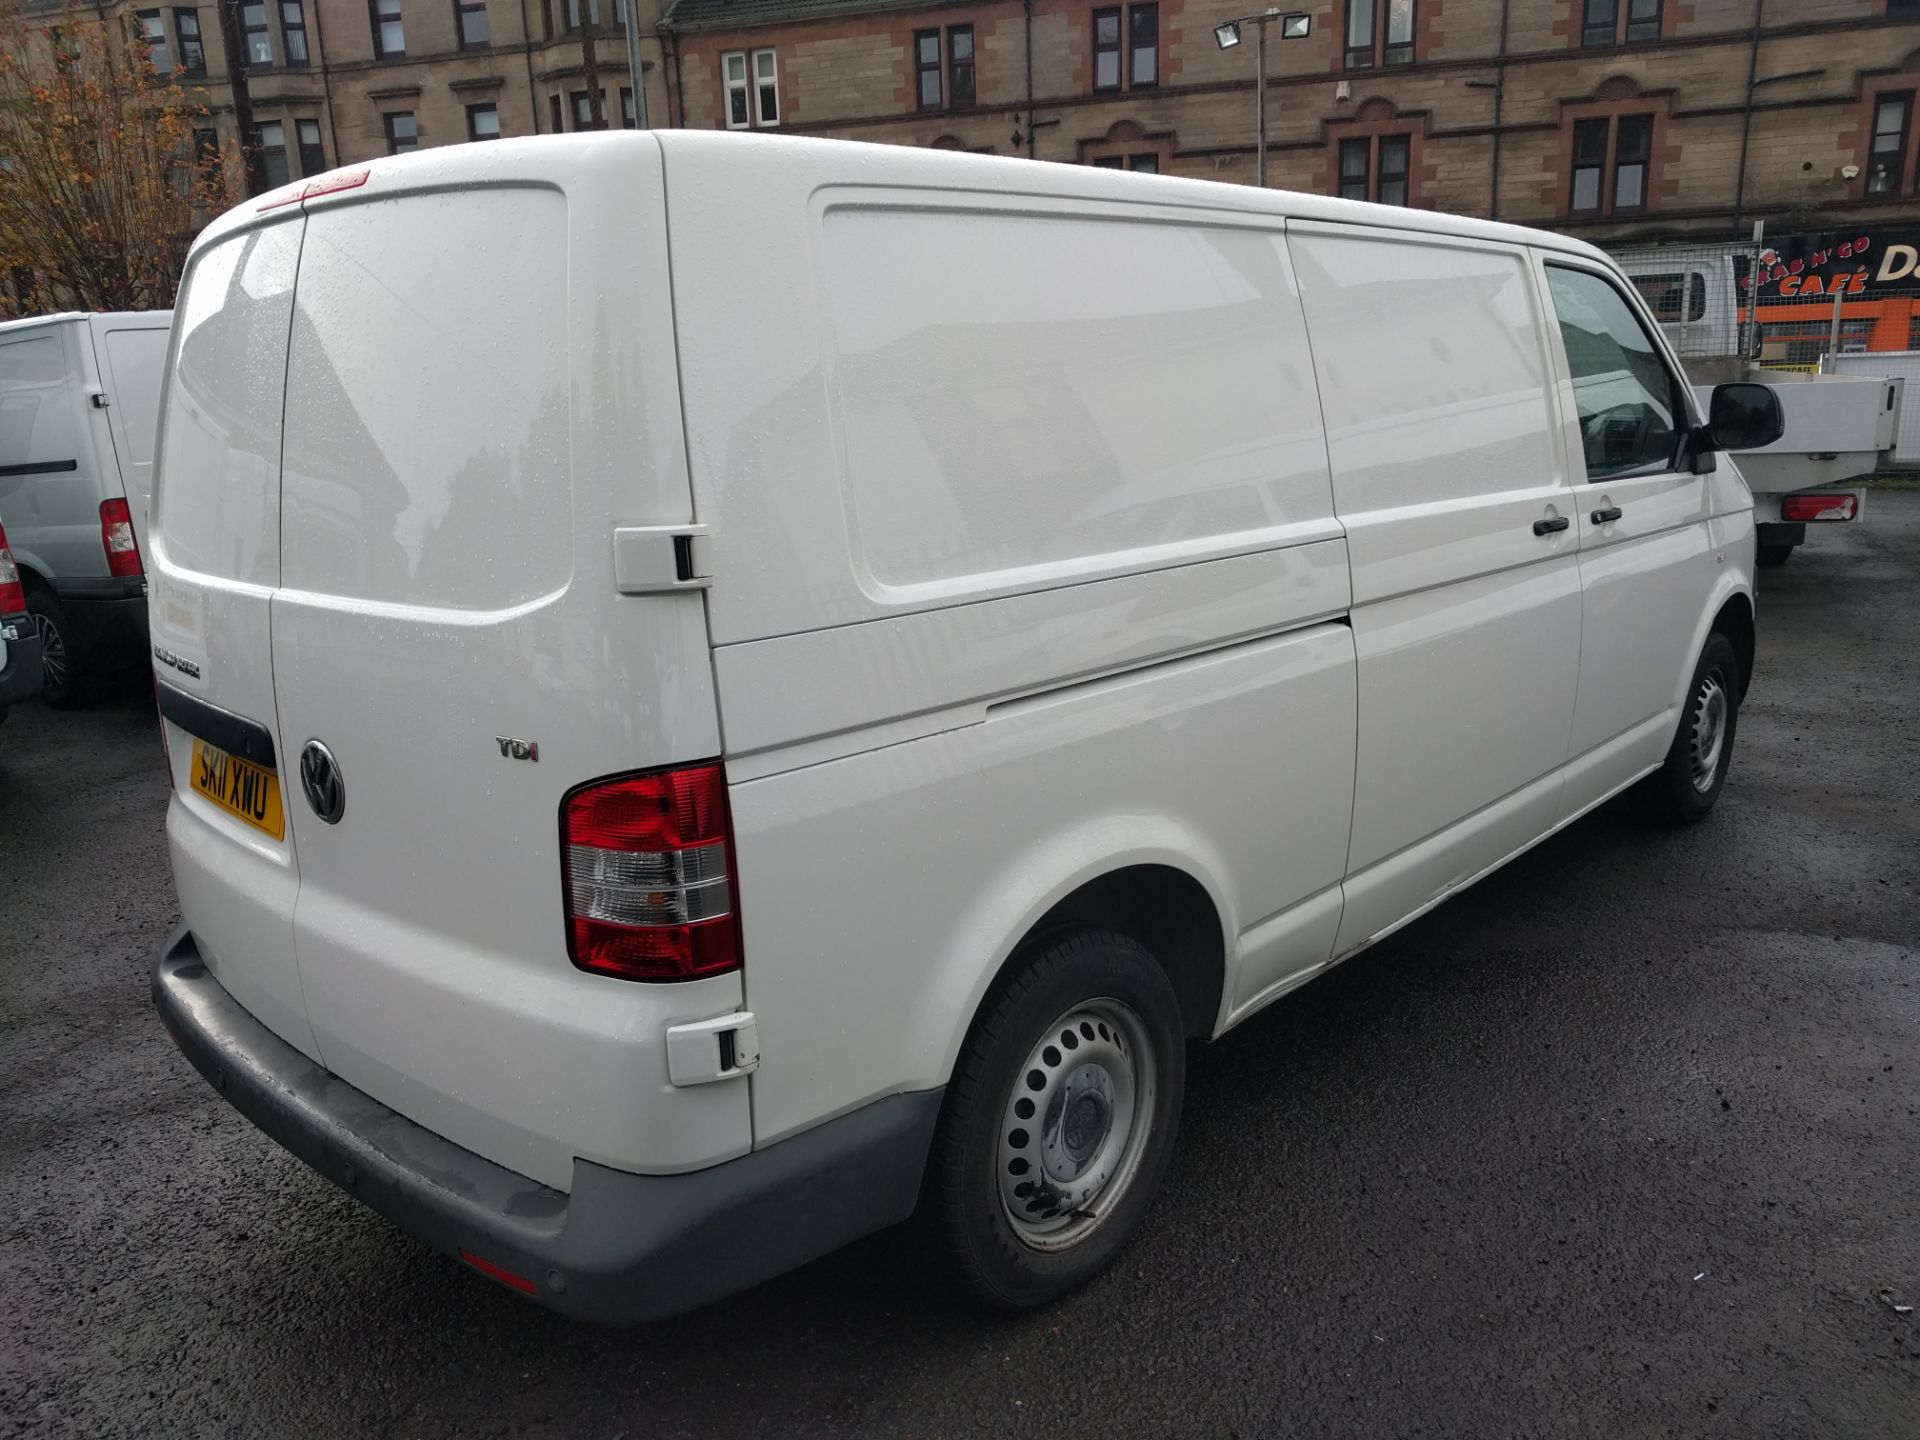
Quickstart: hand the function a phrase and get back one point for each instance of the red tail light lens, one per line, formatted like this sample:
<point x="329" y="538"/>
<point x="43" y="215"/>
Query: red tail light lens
<point x="1818" y="507"/>
<point x="116" y="533"/>
<point x="13" y="598"/>
<point x="648" y="869"/>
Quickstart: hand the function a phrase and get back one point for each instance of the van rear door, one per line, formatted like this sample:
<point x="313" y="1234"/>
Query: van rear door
<point x="481" y="387"/>
<point x="212" y="568"/>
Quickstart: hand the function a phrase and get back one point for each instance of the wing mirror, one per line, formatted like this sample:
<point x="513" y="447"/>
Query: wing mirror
<point x="1743" y="416"/>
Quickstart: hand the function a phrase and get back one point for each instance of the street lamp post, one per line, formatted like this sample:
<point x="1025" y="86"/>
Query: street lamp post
<point x="1293" y="26"/>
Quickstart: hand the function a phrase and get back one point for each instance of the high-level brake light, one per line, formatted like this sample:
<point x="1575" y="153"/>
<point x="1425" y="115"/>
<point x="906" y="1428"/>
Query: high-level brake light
<point x="648" y="870"/>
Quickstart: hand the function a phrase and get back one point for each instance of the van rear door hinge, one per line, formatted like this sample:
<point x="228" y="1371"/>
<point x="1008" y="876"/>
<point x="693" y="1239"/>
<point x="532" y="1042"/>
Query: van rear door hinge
<point x="649" y="559"/>
<point x="717" y="1049"/>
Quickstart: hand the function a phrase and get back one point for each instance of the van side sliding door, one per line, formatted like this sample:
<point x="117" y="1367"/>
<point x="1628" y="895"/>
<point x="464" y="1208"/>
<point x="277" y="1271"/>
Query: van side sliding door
<point x="1449" y="478"/>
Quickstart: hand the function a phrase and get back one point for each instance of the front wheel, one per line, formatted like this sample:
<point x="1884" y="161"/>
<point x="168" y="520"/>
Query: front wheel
<point x="1684" y="788"/>
<point x="1059" y="1121"/>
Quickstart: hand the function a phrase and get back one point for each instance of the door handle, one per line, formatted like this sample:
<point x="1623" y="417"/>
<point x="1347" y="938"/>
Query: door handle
<point x="1548" y="527"/>
<point x="1606" y="514"/>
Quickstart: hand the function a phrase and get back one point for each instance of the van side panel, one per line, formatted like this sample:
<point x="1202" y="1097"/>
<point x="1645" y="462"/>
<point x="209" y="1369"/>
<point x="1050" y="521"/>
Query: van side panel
<point x="1065" y="464"/>
<point x="49" y="474"/>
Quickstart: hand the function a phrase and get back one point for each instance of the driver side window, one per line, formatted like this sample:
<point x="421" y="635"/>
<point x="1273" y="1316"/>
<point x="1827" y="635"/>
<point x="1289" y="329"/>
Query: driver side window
<point x="1631" y="411"/>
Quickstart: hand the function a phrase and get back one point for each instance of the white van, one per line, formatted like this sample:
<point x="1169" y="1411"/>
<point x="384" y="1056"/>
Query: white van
<point x="723" y="688"/>
<point x="79" y="398"/>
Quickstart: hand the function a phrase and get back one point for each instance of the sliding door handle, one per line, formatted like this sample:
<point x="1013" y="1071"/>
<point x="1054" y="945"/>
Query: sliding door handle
<point x="1548" y="527"/>
<point x="1606" y="514"/>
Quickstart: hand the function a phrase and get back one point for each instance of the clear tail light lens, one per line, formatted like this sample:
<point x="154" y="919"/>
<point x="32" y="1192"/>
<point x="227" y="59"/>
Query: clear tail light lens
<point x="647" y="862"/>
<point x="13" y="597"/>
<point x="116" y="533"/>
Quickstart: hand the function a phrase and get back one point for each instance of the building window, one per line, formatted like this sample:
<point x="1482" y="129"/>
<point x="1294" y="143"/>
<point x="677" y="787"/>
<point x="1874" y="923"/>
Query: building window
<point x="1376" y="168"/>
<point x="255" y="37"/>
<point x="153" y="29"/>
<point x="570" y="14"/>
<point x="629" y="118"/>
<point x="1611" y="163"/>
<point x="1379" y="32"/>
<point x="1143" y="47"/>
<point x="1144" y="164"/>
<point x="1106" y="49"/>
<point x="1903" y="9"/>
<point x="471" y="17"/>
<point x="1618" y="22"/>
<point x="313" y="159"/>
<point x="193" y="55"/>
<point x="402" y="133"/>
<point x="271" y="139"/>
<point x="206" y="154"/>
<point x="389" y="33"/>
<point x="766" y="89"/>
<point x="928" y="71"/>
<point x="1887" y="158"/>
<point x="926" y="68"/>
<point x="293" y="33"/>
<point x="582" y="102"/>
<point x="483" y="122"/>
<point x="553" y="113"/>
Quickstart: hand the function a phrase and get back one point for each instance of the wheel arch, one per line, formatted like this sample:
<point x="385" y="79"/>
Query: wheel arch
<point x="1734" y="619"/>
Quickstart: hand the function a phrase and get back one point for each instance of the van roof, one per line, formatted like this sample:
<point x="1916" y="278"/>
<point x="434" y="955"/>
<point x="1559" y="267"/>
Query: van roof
<point x="728" y="157"/>
<point x="160" y="318"/>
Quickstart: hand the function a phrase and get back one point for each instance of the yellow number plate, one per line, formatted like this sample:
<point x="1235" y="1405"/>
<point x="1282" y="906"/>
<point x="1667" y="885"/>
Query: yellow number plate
<point x="239" y="787"/>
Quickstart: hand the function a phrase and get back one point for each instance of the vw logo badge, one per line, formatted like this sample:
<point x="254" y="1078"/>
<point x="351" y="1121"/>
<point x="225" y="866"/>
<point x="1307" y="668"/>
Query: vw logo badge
<point x="320" y="778"/>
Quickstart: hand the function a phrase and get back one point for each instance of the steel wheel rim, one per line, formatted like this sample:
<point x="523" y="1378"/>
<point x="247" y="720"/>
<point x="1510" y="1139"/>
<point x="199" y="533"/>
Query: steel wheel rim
<point x="1076" y="1125"/>
<point x="53" y="654"/>
<point x="1709" y="731"/>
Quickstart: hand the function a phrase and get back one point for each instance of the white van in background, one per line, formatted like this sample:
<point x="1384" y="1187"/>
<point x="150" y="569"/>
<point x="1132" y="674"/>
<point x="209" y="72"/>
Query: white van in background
<point x="79" y="401"/>
<point x="722" y="689"/>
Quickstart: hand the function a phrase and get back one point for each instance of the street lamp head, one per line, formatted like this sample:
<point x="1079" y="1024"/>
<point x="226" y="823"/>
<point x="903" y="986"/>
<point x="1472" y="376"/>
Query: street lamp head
<point x="1228" y="35"/>
<point x="1295" y="27"/>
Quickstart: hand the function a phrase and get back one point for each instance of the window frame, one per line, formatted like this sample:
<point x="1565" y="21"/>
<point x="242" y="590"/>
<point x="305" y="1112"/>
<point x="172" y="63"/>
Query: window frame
<point x="264" y="31"/>
<point x="198" y="69"/>
<point x="580" y="107"/>
<point x="387" y="124"/>
<point x="1898" y="174"/>
<point x="1679" y="395"/>
<point x="729" y="87"/>
<point x="1609" y="166"/>
<point x="1129" y="74"/>
<point x="1373" y="177"/>
<point x="629" y="113"/>
<point x="1609" y="24"/>
<point x="1345" y="179"/>
<point x="1643" y="125"/>
<point x="1116" y="13"/>
<point x="1376" y="49"/>
<point x="1134" y="49"/>
<point x="474" y="137"/>
<point x="1903" y="9"/>
<point x="269" y="152"/>
<point x="761" y="84"/>
<point x="160" y="42"/>
<point x="378" y="16"/>
<point x="314" y="161"/>
<point x="923" y="68"/>
<point x="297" y="27"/>
<point x="955" y="65"/>
<point x="464" y="11"/>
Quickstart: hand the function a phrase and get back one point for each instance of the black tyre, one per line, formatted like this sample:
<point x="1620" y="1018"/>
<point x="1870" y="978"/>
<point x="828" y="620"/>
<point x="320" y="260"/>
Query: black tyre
<point x="63" y="684"/>
<point x="1059" y="1121"/>
<point x="1683" y="789"/>
<point x="1773" y="554"/>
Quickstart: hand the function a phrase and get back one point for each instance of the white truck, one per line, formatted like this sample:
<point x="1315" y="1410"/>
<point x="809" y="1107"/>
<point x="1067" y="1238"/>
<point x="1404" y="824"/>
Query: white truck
<point x="1839" y="428"/>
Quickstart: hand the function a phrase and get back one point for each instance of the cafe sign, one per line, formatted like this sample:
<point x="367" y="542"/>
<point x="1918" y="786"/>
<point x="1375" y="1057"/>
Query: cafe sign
<point x="1861" y="263"/>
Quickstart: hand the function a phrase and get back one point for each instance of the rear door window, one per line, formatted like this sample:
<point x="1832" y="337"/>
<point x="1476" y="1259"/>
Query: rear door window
<point x="1631" y="414"/>
<point x="36" y="412"/>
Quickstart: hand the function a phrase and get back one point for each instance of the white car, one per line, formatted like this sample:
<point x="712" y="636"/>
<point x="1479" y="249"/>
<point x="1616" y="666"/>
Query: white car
<point x="722" y="689"/>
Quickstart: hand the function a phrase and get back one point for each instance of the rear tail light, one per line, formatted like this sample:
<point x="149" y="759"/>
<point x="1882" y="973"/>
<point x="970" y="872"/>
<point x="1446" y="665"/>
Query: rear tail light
<point x="1819" y="507"/>
<point x="13" y="598"/>
<point x="116" y="533"/>
<point x="648" y="870"/>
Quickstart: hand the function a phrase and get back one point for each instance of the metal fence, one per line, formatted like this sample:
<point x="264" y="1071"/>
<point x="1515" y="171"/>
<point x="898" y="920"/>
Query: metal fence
<point x="1699" y="293"/>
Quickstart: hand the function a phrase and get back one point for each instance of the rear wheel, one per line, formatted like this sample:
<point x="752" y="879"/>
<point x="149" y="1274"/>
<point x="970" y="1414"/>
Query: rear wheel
<point x="62" y="684"/>
<point x="1684" y="788"/>
<point x="1059" y="1122"/>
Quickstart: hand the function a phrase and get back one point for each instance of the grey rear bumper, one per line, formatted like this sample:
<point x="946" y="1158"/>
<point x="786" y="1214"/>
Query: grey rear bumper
<point x="619" y="1247"/>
